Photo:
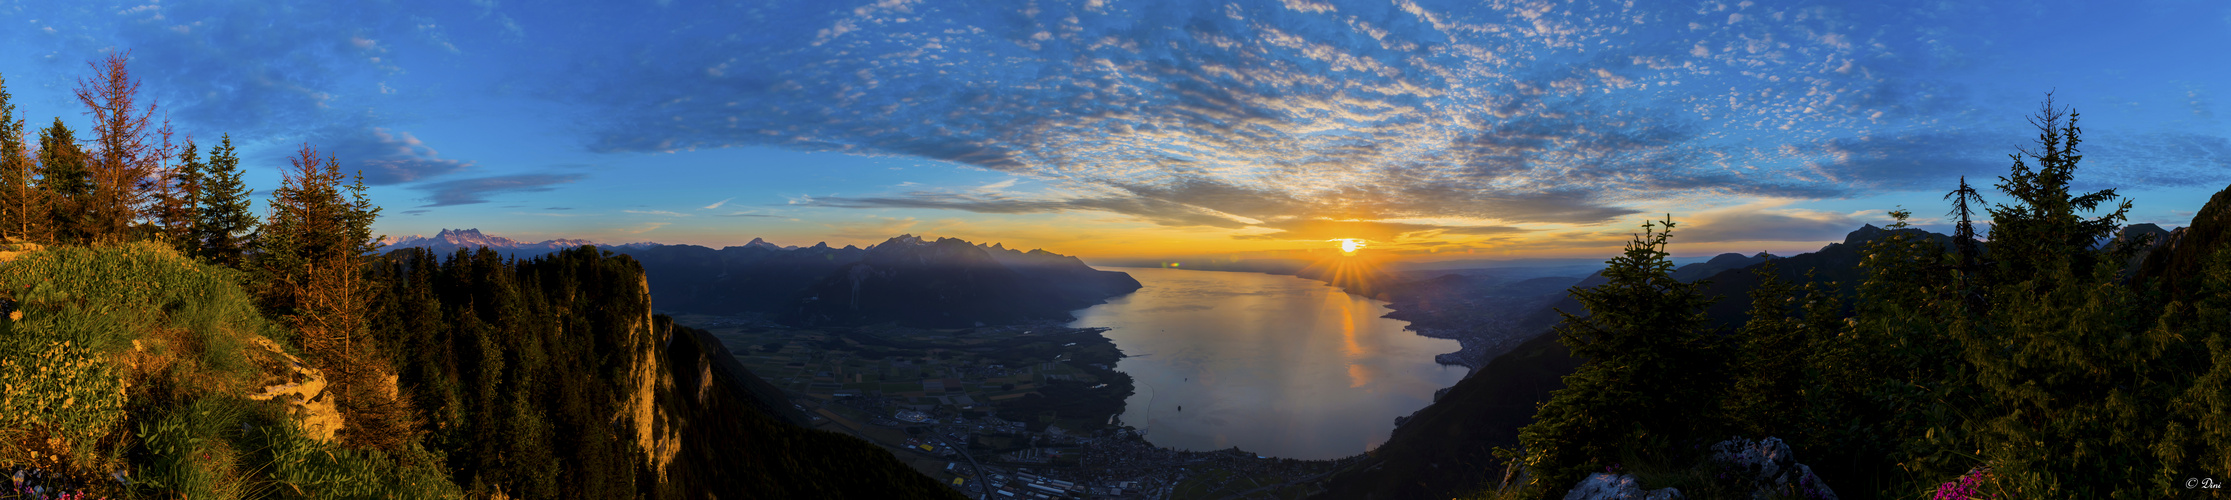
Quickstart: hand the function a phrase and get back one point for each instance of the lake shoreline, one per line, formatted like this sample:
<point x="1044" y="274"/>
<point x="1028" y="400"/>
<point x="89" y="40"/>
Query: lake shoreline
<point x="1277" y="364"/>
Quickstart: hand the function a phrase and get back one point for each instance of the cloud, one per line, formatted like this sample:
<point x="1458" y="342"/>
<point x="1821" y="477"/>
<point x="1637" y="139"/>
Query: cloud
<point x="874" y="228"/>
<point x="384" y="156"/>
<point x="716" y="204"/>
<point x="996" y="186"/>
<point x="1326" y="229"/>
<point x="1156" y="211"/>
<point x="477" y="190"/>
<point x="1308" y="110"/>
<point x="1199" y="208"/>
<point x="1766" y="221"/>
<point x="656" y="212"/>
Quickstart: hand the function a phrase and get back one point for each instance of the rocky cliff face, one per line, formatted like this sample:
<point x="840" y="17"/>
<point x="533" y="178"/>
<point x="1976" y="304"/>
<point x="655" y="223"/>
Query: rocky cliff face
<point x="2176" y="260"/>
<point x="652" y="430"/>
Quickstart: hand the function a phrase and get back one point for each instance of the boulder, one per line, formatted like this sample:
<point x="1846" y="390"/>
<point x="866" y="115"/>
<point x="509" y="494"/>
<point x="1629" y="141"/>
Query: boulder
<point x="1769" y="464"/>
<point x="1605" y="486"/>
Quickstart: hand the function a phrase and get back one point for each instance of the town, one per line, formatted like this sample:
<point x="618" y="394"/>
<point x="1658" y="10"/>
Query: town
<point x="1013" y="411"/>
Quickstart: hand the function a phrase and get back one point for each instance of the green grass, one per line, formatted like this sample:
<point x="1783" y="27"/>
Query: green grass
<point x="75" y="380"/>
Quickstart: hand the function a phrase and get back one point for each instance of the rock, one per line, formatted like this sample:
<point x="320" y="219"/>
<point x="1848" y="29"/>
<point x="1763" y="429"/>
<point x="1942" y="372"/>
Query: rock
<point x="302" y="388"/>
<point x="1604" y="486"/>
<point x="1770" y="464"/>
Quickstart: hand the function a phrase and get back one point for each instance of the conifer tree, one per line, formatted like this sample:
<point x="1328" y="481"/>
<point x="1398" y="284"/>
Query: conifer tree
<point x="124" y="154"/>
<point x="223" y="226"/>
<point x="1889" y="374"/>
<point x="1964" y="241"/>
<point x="1766" y="396"/>
<point x="2042" y="228"/>
<point x="2079" y="375"/>
<point x="174" y="190"/>
<point x="308" y="254"/>
<point x="23" y="207"/>
<point x="66" y="182"/>
<point x="1649" y="356"/>
<point x="313" y="258"/>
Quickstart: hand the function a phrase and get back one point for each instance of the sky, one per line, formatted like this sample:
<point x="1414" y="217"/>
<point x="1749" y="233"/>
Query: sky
<point x="1110" y="128"/>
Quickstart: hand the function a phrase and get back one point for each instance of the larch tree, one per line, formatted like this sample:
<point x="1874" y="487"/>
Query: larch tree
<point x="23" y="206"/>
<point x="125" y="155"/>
<point x="223" y="228"/>
<point x="66" y="183"/>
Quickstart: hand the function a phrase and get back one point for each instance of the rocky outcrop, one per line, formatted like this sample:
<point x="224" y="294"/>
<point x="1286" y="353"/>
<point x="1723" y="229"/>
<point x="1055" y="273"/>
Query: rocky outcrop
<point x="2176" y="262"/>
<point x="1772" y="469"/>
<point x="1605" y="486"/>
<point x="301" y="388"/>
<point x="653" y="430"/>
<point x="11" y="248"/>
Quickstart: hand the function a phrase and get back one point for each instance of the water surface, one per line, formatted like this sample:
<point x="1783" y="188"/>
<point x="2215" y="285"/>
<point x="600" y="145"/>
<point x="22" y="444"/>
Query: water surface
<point x="1276" y="365"/>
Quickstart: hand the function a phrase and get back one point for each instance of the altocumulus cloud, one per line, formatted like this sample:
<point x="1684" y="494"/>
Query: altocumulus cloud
<point x="1197" y="113"/>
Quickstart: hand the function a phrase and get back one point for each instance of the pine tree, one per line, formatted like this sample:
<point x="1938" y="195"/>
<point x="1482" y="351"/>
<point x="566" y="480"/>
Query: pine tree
<point x="223" y="227"/>
<point x="314" y="261"/>
<point x="2042" y="227"/>
<point x="308" y="255"/>
<point x="175" y="187"/>
<point x="1964" y="241"/>
<point x="1765" y="398"/>
<point x="23" y="206"/>
<point x="2080" y="376"/>
<point x="1649" y="358"/>
<point x="67" y="183"/>
<point x="124" y="156"/>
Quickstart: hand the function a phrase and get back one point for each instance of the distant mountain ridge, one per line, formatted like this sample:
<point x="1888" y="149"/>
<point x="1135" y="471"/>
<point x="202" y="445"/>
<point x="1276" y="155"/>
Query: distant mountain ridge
<point x="951" y="282"/>
<point x="945" y="282"/>
<point x="451" y="240"/>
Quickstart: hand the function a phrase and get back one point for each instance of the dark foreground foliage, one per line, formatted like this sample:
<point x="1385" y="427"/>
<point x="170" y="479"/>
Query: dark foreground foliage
<point x="2062" y="358"/>
<point x="533" y="373"/>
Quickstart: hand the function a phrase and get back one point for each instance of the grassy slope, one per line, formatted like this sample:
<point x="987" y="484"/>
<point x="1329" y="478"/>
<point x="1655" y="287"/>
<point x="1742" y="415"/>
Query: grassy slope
<point x="134" y="358"/>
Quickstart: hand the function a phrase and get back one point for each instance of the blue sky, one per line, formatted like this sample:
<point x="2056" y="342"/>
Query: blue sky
<point x="1113" y="128"/>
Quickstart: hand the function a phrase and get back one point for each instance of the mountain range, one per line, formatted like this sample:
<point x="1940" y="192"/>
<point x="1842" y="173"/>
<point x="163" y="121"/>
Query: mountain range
<point x="945" y="282"/>
<point x="451" y="240"/>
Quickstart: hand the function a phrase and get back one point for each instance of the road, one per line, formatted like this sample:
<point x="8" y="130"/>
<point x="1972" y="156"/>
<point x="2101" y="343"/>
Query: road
<point x="981" y="491"/>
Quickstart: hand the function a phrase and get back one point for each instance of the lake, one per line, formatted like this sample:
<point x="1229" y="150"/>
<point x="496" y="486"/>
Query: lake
<point x="1276" y="365"/>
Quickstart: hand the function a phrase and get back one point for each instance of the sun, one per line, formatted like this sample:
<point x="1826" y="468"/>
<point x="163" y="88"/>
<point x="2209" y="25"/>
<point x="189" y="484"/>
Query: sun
<point x="1349" y="245"/>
